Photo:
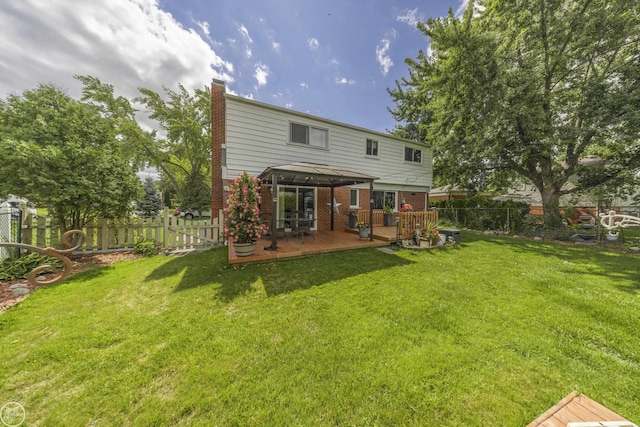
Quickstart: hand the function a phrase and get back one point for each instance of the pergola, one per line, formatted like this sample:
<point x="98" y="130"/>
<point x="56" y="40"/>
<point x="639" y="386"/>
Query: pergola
<point x="313" y="175"/>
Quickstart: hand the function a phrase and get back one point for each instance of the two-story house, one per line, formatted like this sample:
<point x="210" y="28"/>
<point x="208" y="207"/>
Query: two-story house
<point x="326" y="168"/>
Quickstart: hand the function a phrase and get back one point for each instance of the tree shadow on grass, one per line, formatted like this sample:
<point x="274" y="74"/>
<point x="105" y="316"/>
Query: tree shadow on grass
<point x="211" y="268"/>
<point x="596" y="260"/>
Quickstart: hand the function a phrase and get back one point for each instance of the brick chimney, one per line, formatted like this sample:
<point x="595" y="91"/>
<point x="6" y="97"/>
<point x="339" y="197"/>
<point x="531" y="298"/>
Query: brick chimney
<point x="218" y="134"/>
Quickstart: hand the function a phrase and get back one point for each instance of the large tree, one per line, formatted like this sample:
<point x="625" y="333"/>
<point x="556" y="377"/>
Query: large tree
<point x="63" y="154"/>
<point x="186" y="118"/>
<point x="184" y="155"/>
<point x="528" y="89"/>
<point x="143" y="146"/>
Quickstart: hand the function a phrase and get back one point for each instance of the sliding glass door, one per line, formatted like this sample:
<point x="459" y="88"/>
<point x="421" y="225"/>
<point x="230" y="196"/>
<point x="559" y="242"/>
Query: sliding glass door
<point x="296" y="203"/>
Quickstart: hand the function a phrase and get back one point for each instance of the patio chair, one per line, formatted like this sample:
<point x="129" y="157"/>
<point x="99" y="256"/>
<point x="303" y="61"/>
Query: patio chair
<point x="304" y="227"/>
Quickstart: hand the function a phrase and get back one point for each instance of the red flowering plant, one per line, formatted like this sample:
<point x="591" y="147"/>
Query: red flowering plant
<point x="406" y="207"/>
<point x="242" y="223"/>
<point x="430" y="232"/>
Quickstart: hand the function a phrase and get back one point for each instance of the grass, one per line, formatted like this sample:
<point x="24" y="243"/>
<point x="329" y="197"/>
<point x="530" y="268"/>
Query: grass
<point x="493" y="332"/>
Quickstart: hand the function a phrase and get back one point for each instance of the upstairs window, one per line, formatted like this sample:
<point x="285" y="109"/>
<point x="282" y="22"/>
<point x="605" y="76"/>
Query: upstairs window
<point x="412" y="155"/>
<point x="303" y="134"/>
<point x="372" y="148"/>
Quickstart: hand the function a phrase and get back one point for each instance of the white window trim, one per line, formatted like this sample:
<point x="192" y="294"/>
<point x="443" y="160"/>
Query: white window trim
<point x="357" y="205"/>
<point x="298" y="144"/>
<point x="414" y="150"/>
<point x="372" y="156"/>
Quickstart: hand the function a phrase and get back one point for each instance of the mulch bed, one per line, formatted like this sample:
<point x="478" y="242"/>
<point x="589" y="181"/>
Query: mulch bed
<point x="80" y="263"/>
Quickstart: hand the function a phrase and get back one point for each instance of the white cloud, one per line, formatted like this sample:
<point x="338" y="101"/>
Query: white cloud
<point x="289" y="105"/>
<point x="247" y="52"/>
<point x="313" y="43"/>
<point x="344" y="81"/>
<point x="303" y="85"/>
<point x="127" y="43"/>
<point x="334" y="62"/>
<point x="382" y="56"/>
<point x="245" y="33"/>
<point x="204" y="26"/>
<point x="411" y="17"/>
<point x="276" y="46"/>
<point x="261" y="73"/>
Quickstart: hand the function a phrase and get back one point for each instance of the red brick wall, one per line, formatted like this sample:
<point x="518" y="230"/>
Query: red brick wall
<point x="341" y="218"/>
<point x="415" y="199"/>
<point x="218" y="132"/>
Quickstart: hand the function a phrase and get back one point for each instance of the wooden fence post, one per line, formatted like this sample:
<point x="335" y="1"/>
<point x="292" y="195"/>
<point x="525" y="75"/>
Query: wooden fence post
<point x="165" y="229"/>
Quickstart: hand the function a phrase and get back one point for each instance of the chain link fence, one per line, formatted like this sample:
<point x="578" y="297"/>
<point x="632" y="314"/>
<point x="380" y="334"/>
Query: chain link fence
<point x="10" y="229"/>
<point x="504" y="220"/>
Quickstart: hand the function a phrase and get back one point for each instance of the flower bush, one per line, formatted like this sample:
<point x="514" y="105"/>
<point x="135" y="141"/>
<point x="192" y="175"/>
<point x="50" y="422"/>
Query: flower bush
<point x="242" y="222"/>
<point x="432" y="235"/>
<point x="361" y="225"/>
<point x="406" y="207"/>
<point x="430" y="232"/>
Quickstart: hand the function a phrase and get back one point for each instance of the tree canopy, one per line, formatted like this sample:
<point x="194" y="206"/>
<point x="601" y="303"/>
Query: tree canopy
<point x="184" y="155"/>
<point x="64" y="154"/>
<point x="528" y="89"/>
<point x="186" y="118"/>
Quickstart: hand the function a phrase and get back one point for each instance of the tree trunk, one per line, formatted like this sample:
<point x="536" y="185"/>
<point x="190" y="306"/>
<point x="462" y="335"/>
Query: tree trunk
<point x="551" y="207"/>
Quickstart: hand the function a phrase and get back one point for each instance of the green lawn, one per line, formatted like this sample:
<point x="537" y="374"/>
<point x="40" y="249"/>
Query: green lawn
<point x="492" y="332"/>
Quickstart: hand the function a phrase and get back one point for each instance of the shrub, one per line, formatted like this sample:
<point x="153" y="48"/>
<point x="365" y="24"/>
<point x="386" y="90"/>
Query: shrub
<point x="146" y="248"/>
<point x="242" y="215"/>
<point x="19" y="268"/>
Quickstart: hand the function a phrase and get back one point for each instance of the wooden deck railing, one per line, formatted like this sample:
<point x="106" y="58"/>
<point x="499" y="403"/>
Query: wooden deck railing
<point x="378" y="216"/>
<point x="408" y="221"/>
<point x="411" y="221"/>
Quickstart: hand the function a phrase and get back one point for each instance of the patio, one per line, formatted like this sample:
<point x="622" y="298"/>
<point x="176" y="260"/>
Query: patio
<point x="319" y="242"/>
<point x="578" y="410"/>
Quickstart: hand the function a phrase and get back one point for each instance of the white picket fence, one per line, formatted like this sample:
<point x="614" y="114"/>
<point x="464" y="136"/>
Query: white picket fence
<point x="168" y="232"/>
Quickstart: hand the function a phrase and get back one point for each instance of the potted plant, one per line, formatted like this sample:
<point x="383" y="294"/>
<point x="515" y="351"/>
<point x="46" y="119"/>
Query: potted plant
<point x="388" y="213"/>
<point x="406" y="207"/>
<point x="242" y="223"/>
<point x="430" y="233"/>
<point x="353" y="219"/>
<point x="363" y="230"/>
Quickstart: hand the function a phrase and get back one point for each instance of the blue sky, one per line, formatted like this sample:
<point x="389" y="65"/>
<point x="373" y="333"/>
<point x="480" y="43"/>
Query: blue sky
<point x="334" y="59"/>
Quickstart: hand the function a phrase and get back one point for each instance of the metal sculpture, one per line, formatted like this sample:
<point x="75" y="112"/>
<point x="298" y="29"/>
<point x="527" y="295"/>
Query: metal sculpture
<point x="56" y="253"/>
<point x="614" y="221"/>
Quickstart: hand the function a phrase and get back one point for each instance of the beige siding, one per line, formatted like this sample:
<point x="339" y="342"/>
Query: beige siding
<point x="258" y="134"/>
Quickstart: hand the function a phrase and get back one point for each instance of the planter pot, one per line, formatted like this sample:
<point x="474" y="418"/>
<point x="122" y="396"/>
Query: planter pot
<point x="364" y="233"/>
<point x="612" y="237"/>
<point x="388" y="220"/>
<point x="244" y="249"/>
<point x="352" y="221"/>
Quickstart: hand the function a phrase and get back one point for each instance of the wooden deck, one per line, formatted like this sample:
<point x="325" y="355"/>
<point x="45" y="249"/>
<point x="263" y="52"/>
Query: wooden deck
<point x="318" y="243"/>
<point x="578" y="410"/>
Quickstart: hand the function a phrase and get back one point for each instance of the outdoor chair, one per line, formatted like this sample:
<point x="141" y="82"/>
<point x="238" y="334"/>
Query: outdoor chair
<point x="304" y="227"/>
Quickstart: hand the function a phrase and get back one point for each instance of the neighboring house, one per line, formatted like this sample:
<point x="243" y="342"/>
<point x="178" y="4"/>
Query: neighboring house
<point x="450" y="192"/>
<point x="255" y="137"/>
<point x="447" y="193"/>
<point x="584" y="204"/>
